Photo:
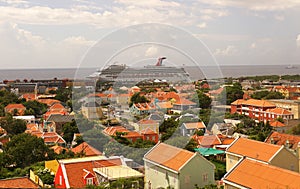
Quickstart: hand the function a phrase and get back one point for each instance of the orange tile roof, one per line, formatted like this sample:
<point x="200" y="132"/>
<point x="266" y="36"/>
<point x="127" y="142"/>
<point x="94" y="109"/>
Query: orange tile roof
<point x="32" y="127"/>
<point x="75" y="170"/>
<point x="23" y="182"/>
<point x="147" y="121"/>
<point x="87" y="149"/>
<point x="113" y="130"/>
<point x="58" y="149"/>
<point x="253" y="149"/>
<point x="277" y="124"/>
<point x="281" y="139"/>
<point x="194" y="125"/>
<point x="49" y="102"/>
<point x="29" y="96"/>
<point x="183" y="101"/>
<point x="259" y="103"/>
<point x="15" y="106"/>
<point x="144" y="106"/>
<point x="279" y="111"/>
<point x="57" y="106"/>
<point x="253" y="174"/>
<point x="238" y="102"/>
<point x="165" y="105"/>
<point x="207" y="140"/>
<point x="169" y="156"/>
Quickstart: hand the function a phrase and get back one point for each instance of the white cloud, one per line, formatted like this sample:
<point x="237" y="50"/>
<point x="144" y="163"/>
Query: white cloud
<point x="257" y="5"/>
<point x="228" y="51"/>
<point x="298" y="40"/>
<point x="253" y="46"/>
<point x="22" y="48"/>
<point x="151" y="51"/>
<point x="202" y="25"/>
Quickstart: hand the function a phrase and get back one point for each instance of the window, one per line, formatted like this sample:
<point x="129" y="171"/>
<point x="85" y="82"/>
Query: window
<point x="205" y="177"/>
<point x="60" y="180"/>
<point x="89" y="181"/>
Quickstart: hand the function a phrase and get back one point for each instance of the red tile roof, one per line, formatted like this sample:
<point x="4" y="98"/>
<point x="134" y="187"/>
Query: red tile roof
<point x="58" y="149"/>
<point x="254" y="174"/>
<point x="18" y="183"/>
<point x="282" y="138"/>
<point x="253" y="149"/>
<point x="279" y="111"/>
<point x="207" y="140"/>
<point x="169" y="156"/>
<point x="277" y="124"/>
<point x="15" y="106"/>
<point x="87" y="149"/>
<point x="76" y="170"/>
<point x="147" y="131"/>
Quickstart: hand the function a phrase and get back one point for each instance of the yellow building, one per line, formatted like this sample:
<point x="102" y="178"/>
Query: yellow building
<point x="92" y="110"/>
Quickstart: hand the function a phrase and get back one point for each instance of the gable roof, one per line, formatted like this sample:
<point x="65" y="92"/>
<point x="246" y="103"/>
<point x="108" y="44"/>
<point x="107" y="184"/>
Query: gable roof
<point x="253" y="149"/>
<point x="75" y="169"/>
<point x="194" y="125"/>
<point x="87" y="149"/>
<point x="277" y="124"/>
<point x="22" y="182"/>
<point x="253" y="102"/>
<point x="147" y="121"/>
<point x="169" y="156"/>
<point x="253" y="174"/>
<point x="15" y="106"/>
<point x="207" y="140"/>
<point x="183" y="101"/>
<point x="282" y="138"/>
<point x="279" y="111"/>
<point x="60" y="118"/>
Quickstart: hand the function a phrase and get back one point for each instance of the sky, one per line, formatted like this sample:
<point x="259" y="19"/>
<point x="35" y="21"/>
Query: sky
<point x="60" y="33"/>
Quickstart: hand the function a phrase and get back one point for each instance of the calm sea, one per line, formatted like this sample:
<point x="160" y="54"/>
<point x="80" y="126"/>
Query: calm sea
<point x="224" y="71"/>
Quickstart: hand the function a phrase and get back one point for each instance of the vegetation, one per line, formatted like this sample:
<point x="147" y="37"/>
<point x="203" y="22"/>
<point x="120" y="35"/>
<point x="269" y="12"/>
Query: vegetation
<point x="231" y="93"/>
<point x="267" y="95"/>
<point x="137" y="98"/>
<point x="24" y="150"/>
<point x="12" y="126"/>
<point x="295" y="130"/>
<point x="202" y="99"/>
<point x="35" y="108"/>
<point x="6" y="98"/>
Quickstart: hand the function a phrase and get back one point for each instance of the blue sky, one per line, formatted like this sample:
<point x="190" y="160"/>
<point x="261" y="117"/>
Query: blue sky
<point x="57" y="33"/>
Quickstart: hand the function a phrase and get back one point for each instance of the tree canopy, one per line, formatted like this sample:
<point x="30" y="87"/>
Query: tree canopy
<point x="12" y="126"/>
<point x="25" y="149"/>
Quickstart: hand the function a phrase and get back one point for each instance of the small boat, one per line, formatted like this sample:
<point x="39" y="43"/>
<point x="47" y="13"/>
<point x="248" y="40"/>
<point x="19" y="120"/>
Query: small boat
<point x="290" y="67"/>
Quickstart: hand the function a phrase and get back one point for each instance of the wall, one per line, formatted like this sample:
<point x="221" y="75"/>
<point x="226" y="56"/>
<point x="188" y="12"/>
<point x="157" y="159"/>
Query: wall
<point x="231" y="161"/>
<point x="197" y="171"/>
<point x="158" y="177"/>
<point x="286" y="160"/>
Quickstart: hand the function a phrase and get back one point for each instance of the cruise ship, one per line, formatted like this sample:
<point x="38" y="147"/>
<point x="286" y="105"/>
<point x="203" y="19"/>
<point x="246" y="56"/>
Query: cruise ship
<point x="125" y="75"/>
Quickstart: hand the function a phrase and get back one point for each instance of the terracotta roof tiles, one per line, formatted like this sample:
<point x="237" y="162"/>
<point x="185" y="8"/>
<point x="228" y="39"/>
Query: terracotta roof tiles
<point x="23" y="182"/>
<point x="253" y="174"/>
<point x="169" y="156"/>
<point x="253" y="149"/>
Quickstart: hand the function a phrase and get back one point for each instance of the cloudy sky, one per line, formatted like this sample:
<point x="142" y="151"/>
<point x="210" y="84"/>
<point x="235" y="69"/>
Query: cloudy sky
<point x="58" y="33"/>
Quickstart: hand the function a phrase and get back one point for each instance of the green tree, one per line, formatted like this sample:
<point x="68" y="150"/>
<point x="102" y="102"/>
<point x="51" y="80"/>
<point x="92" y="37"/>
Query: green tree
<point x="69" y="129"/>
<point x="25" y="149"/>
<point x="35" y="107"/>
<point x="12" y="126"/>
<point x="137" y="98"/>
<point x="231" y="93"/>
<point x="202" y="99"/>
